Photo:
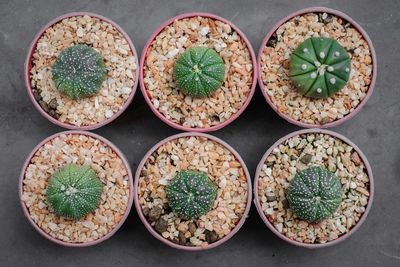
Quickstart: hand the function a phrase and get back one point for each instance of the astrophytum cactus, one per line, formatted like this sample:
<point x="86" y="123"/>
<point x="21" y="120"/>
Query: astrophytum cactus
<point x="199" y="71"/>
<point x="74" y="191"/>
<point x="191" y="194"/>
<point x="79" y="71"/>
<point x="314" y="194"/>
<point x="319" y="67"/>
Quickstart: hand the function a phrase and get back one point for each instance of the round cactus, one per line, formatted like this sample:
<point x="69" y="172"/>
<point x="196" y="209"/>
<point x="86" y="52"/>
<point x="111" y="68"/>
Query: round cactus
<point x="199" y="71"/>
<point x="74" y="191"/>
<point x="319" y="67"/>
<point x="79" y="71"/>
<point x="314" y="194"/>
<point x="191" y="194"/>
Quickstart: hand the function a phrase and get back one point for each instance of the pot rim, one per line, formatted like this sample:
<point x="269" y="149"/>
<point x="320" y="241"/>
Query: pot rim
<point x="343" y="236"/>
<point x="26" y="211"/>
<point x="177" y="125"/>
<point x="358" y="28"/>
<point x="159" y="236"/>
<point x="28" y="66"/>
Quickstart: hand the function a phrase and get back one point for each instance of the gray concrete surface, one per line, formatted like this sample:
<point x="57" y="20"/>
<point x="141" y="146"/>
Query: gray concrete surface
<point x="375" y="130"/>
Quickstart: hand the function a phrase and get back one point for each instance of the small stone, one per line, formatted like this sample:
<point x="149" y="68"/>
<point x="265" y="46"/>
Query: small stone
<point x="109" y="114"/>
<point x="80" y="32"/>
<point x="44" y="106"/>
<point x="53" y="104"/>
<point x="36" y="95"/>
<point x="270" y="197"/>
<point x="181" y="238"/>
<point x="211" y="236"/>
<point x="306" y="159"/>
<point x="355" y="158"/>
<point x="146" y="211"/>
<point x="192" y="228"/>
<point x="154" y="214"/>
<point x="285" y="204"/>
<point x="161" y="225"/>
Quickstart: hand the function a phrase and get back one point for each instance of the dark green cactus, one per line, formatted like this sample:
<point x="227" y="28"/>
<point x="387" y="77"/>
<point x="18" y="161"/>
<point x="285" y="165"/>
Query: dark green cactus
<point x="191" y="194"/>
<point x="199" y="71"/>
<point x="74" y="191"/>
<point x="319" y="67"/>
<point x="314" y="194"/>
<point x="79" y="71"/>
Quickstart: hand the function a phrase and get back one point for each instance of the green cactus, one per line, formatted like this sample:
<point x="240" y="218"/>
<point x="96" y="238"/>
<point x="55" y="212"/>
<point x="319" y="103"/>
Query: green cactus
<point x="314" y="194"/>
<point x="199" y="71"/>
<point x="74" y="191"/>
<point x="191" y="194"/>
<point x="79" y="71"/>
<point x="319" y="67"/>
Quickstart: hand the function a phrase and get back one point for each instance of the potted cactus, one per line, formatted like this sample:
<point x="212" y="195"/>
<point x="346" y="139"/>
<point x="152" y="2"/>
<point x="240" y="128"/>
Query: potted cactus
<point x="66" y="184"/>
<point x="198" y="72"/>
<point x="318" y="76"/>
<point x="313" y="188"/>
<point x="80" y="71"/>
<point x="192" y="191"/>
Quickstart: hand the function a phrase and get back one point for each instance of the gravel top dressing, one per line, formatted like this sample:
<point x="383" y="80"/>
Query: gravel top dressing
<point x="195" y="154"/>
<point x="275" y="68"/>
<point x="299" y="153"/>
<point x="119" y="60"/>
<point x="170" y="44"/>
<point x="81" y="150"/>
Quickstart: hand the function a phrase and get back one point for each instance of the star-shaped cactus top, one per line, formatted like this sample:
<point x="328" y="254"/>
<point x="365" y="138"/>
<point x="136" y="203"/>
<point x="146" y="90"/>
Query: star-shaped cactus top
<point x="319" y="67"/>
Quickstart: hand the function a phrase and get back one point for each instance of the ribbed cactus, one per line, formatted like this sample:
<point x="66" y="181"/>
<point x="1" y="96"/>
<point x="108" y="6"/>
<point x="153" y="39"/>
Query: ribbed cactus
<point x="319" y="67"/>
<point x="191" y="194"/>
<point x="199" y="71"/>
<point x="79" y="71"/>
<point x="74" y="191"/>
<point x="314" y="194"/>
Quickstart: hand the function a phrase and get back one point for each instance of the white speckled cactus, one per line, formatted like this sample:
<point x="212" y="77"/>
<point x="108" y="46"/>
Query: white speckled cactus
<point x="314" y="194"/>
<point x="74" y="191"/>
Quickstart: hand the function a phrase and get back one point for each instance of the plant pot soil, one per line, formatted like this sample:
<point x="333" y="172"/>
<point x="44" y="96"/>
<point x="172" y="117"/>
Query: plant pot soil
<point x="169" y="42"/>
<point x="115" y="93"/>
<point x="298" y="151"/>
<point x="274" y="56"/>
<point x="200" y="152"/>
<point x="82" y="148"/>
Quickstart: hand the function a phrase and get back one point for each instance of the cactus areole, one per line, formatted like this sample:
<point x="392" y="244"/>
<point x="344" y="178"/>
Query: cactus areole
<point x="314" y="194"/>
<point x="74" y="191"/>
<point x="79" y="71"/>
<point x="199" y="71"/>
<point x="191" y="194"/>
<point x="319" y="67"/>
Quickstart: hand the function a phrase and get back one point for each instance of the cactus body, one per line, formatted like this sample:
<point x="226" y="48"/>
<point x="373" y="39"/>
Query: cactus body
<point x="79" y="71"/>
<point x="74" y="191"/>
<point x="191" y="194"/>
<point x="314" y="194"/>
<point x="319" y="67"/>
<point x="199" y="71"/>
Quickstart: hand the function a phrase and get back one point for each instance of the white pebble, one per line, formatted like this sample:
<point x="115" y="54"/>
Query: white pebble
<point x="204" y="31"/>
<point x="80" y="32"/>
<point x="126" y="90"/>
<point x="109" y="113"/>
<point x="172" y="53"/>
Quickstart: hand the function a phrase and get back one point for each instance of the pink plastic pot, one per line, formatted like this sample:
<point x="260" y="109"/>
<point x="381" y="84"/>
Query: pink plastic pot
<point x="356" y="26"/>
<point x="143" y="86"/>
<point x="26" y="211"/>
<point x="340" y="238"/>
<point x="147" y="224"/>
<point x="28" y="66"/>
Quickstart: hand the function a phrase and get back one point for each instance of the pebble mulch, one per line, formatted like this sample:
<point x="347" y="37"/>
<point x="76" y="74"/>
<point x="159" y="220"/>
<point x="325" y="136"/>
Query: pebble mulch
<point x="298" y="153"/>
<point x="119" y="59"/>
<point x="158" y="72"/>
<point x="80" y="149"/>
<point x="275" y="67"/>
<point x="193" y="153"/>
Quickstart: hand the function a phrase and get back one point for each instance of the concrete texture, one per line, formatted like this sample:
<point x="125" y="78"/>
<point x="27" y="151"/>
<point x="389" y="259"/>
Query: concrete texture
<point x="375" y="130"/>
